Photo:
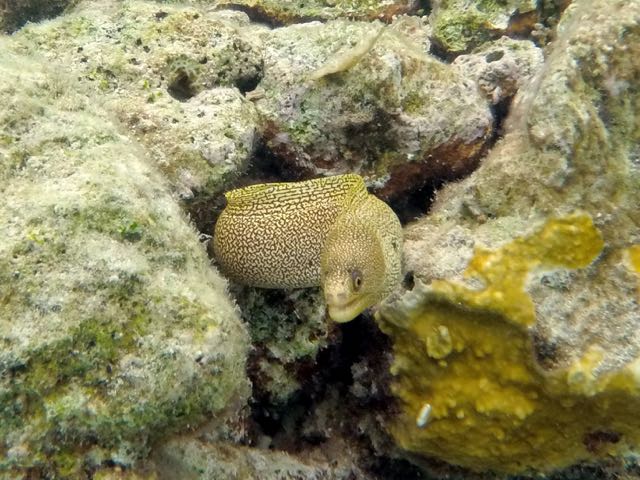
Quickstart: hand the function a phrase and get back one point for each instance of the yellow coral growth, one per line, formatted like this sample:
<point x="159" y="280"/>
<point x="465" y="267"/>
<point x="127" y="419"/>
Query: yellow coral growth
<point x="470" y="389"/>
<point x="634" y="259"/>
<point x="572" y="242"/>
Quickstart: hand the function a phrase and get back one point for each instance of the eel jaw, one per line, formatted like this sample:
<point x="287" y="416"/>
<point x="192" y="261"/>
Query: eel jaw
<point x="348" y="310"/>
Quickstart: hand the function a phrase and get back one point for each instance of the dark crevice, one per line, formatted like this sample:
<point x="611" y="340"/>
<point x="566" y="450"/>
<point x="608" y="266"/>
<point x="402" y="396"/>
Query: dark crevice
<point x="416" y="203"/>
<point x="423" y="8"/>
<point x="14" y="14"/>
<point x="181" y="86"/>
<point x="500" y="112"/>
<point x="441" y="53"/>
<point x="258" y="15"/>
<point x="358" y="356"/>
<point x="247" y="83"/>
<point x="267" y="167"/>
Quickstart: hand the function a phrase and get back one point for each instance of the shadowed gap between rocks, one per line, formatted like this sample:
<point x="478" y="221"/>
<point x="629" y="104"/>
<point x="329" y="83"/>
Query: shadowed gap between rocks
<point x="293" y="427"/>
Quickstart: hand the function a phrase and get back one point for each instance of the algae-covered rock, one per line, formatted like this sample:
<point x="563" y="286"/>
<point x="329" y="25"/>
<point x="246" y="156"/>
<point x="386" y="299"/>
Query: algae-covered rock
<point x="284" y="12"/>
<point x="459" y="25"/>
<point x="288" y="329"/>
<point x="115" y="330"/>
<point x="352" y="96"/>
<point x="518" y="349"/>
<point x="172" y="75"/>
<point x="193" y="459"/>
<point x="500" y="68"/>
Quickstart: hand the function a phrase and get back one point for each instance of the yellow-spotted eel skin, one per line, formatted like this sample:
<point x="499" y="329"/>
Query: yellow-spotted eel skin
<point x="328" y="231"/>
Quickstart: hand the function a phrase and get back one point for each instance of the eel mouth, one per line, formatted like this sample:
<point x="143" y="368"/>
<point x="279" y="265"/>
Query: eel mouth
<point x="346" y="311"/>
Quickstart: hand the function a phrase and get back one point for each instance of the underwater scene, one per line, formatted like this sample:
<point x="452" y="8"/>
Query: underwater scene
<point x="320" y="239"/>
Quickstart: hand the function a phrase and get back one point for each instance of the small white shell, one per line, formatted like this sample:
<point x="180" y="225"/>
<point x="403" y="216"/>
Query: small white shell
<point x="423" y="416"/>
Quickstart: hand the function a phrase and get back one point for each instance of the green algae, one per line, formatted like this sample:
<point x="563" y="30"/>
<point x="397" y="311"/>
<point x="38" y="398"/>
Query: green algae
<point x="459" y="32"/>
<point x="287" y="329"/>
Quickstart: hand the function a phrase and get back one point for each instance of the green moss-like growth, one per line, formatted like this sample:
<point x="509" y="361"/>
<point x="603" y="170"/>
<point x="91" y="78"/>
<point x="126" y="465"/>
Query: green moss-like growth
<point x="458" y="32"/>
<point x="288" y="330"/>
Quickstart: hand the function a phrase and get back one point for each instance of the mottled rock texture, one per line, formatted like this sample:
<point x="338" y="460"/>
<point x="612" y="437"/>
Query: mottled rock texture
<point x="203" y="461"/>
<point x="501" y="67"/>
<point x="523" y="338"/>
<point x="459" y="26"/>
<point x="172" y="75"/>
<point x="115" y="330"/>
<point x="284" y="12"/>
<point x="288" y="329"/>
<point x="398" y="116"/>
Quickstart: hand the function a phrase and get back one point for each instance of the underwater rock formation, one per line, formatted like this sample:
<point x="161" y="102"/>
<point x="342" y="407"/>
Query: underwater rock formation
<point x="172" y="75"/>
<point x="115" y="329"/>
<point x="199" y="460"/>
<point x="518" y="349"/>
<point x="398" y="116"/>
<point x="459" y="26"/>
<point x="124" y="356"/>
<point x="288" y="329"/>
<point x="285" y="12"/>
<point x="500" y="68"/>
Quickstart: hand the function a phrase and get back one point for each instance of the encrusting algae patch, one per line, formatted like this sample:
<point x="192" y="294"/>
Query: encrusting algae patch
<point x="470" y="389"/>
<point x="634" y="257"/>
<point x="633" y="253"/>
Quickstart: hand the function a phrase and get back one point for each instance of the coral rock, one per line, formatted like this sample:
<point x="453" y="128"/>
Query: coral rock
<point x="115" y="330"/>
<point x="173" y="76"/>
<point x="285" y="12"/>
<point x="500" y="68"/>
<point x="398" y="116"/>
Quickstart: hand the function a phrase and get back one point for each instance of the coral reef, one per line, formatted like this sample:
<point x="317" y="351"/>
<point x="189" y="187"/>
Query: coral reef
<point x="198" y="460"/>
<point x="125" y="355"/>
<point x="519" y="343"/>
<point x="501" y="67"/>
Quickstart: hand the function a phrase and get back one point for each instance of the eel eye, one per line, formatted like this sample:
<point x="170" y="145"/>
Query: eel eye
<point x="356" y="279"/>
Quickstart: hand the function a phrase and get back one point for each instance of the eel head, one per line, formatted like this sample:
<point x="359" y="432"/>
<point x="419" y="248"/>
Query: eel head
<point x="352" y="270"/>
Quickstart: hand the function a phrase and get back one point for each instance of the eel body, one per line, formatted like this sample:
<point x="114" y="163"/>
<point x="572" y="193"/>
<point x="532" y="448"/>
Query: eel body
<point x="328" y="231"/>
